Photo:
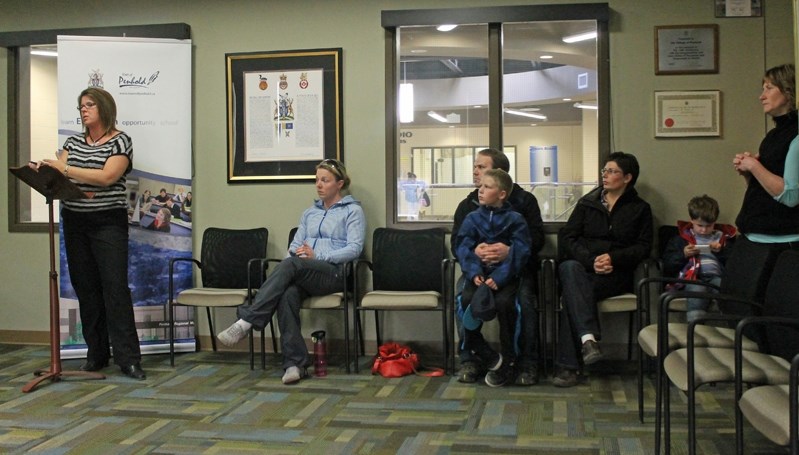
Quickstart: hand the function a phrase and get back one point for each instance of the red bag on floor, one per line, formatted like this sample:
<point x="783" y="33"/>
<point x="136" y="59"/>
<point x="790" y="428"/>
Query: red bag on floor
<point x="395" y="361"/>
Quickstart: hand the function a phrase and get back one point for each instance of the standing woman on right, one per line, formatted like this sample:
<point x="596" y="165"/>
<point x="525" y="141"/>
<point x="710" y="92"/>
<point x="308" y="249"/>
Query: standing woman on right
<point x="769" y="216"/>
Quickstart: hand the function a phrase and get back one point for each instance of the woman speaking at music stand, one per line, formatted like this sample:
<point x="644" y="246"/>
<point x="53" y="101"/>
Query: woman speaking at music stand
<point x="96" y="233"/>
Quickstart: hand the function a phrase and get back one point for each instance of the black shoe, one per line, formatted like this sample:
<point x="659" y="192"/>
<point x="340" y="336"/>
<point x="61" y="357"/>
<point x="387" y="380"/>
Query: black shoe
<point x="591" y="352"/>
<point x="94" y="365"/>
<point x="527" y="375"/>
<point x="469" y="372"/>
<point x="500" y="377"/>
<point x="565" y="377"/>
<point x="494" y="362"/>
<point x="134" y="371"/>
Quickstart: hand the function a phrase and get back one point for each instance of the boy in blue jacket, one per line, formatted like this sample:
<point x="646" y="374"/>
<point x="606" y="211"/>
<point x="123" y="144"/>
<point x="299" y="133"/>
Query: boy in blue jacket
<point x="491" y="287"/>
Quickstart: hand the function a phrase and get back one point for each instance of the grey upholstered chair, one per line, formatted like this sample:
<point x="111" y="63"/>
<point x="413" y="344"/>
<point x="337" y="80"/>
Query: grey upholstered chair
<point x="231" y="272"/>
<point x="771" y="409"/>
<point x="410" y="272"/>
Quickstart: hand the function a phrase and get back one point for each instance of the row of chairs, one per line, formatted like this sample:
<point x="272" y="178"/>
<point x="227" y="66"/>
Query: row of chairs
<point x="709" y="351"/>
<point x="409" y="272"/>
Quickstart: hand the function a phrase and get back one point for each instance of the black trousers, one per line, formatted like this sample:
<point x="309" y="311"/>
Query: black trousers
<point x="746" y="275"/>
<point x="97" y="255"/>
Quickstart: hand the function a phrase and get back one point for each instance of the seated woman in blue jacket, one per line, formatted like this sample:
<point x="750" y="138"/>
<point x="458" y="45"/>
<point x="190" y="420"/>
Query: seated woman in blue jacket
<point x="330" y="234"/>
<point x="497" y="283"/>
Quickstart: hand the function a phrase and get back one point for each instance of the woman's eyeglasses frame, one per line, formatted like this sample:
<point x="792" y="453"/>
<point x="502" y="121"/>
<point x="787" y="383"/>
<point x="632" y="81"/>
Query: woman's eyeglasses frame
<point x="606" y="170"/>
<point x="89" y="105"/>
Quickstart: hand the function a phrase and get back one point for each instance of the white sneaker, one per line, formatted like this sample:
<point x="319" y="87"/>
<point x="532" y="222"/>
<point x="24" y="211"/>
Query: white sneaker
<point x="292" y="375"/>
<point x="231" y="335"/>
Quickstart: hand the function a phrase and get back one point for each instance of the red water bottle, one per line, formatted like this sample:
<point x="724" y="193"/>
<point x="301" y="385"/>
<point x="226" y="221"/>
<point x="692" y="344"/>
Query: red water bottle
<point x="320" y="353"/>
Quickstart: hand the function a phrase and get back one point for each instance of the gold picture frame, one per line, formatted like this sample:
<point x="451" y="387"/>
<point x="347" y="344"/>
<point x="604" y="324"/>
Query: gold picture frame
<point x="284" y="113"/>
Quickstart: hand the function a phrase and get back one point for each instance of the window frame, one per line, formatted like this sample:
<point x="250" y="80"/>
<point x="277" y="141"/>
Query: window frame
<point x="391" y="20"/>
<point x="19" y="102"/>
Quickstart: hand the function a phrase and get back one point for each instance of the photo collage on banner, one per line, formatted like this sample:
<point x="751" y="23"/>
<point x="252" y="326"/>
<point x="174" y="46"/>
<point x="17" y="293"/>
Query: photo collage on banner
<point x="150" y="80"/>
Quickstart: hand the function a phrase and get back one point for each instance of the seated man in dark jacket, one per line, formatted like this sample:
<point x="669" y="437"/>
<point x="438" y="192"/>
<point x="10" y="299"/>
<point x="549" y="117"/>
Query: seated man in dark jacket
<point x="608" y="234"/>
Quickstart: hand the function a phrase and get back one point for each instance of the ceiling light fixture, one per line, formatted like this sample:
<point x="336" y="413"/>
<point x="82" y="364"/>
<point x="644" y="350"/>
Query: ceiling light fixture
<point x="44" y="53"/>
<point x="405" y="98"/>
<point x="446" y="27"/>
<point x="580" y="37"/>
<point x="406" y="103"/>
<point x="545" y="57"/>
<point x="580" y="105"/>
<point x="525" y="114"/>
<point x="437" y="116"/>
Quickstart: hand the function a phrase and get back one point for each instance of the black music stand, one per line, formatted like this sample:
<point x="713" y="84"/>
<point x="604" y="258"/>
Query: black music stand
<point x="52" y="185"/>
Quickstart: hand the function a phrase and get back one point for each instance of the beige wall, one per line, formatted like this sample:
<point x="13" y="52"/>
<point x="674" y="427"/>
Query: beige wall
<point x="672" y="170"/>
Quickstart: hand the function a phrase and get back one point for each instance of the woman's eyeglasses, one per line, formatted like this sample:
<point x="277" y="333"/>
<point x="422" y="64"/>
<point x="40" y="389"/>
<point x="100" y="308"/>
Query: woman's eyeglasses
<point x="88" y="105"/>
<point x="606" y="170"/>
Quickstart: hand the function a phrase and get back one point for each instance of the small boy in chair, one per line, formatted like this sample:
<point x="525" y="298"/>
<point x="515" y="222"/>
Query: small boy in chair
<point x="490" y="288"/>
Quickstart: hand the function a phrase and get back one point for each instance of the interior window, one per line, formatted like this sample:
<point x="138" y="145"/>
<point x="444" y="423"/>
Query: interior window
<point x="532" y="88"/>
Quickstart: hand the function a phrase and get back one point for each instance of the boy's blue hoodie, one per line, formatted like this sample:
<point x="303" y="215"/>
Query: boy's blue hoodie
<point x="493" y="225"/>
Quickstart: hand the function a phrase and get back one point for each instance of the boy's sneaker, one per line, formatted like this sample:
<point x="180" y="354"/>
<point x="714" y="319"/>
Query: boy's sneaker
<point x="493" y="362"/>
<point x="469" y="372"/>
<point x="499" y="377"/>
<point x="527" y="375"/>
<point x="565" y="377"/>
<point x="231" y="335"/>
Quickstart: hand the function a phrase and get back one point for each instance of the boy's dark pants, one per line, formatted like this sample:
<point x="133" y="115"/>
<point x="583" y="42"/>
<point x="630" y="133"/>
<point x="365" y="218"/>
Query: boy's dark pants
<point x="508" y="317"/>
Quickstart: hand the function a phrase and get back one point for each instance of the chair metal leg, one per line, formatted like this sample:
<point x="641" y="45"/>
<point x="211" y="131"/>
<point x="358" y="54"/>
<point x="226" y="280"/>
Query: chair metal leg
<point x="211" y="327"/>
<point x="446" y="341"/>
<point x="630" y="327"/>
<point x="274" y="338"/>
<point x="666" y="420"/>
<point x="640" y="384"/>
<point x="346" y="335"/>
<point x="691" y="417"/>
<point x="379" y="337"/>
<point x="263" y="347"/>
<point x="252" y="349"/>
<point x="357" y="340"/>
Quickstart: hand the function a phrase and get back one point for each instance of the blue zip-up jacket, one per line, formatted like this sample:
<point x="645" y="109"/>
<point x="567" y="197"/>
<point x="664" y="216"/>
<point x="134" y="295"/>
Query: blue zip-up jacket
<point x="336" y="234"/>
<point x="493" y="225"/>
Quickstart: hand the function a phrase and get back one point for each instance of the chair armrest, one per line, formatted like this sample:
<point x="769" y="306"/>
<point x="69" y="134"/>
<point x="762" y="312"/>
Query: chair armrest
<point x="172" y="263"/>
<point x="644" y="291"/>
<point x="667" y="297"/>
<point x="261" y="270"/>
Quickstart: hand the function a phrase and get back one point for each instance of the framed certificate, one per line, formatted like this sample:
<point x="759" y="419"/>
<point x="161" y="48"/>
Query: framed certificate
<point x="687" y="49"/>
<point x="688" y="114"/>
<point x="738" y="8"/>
<point x="284" y="113"/>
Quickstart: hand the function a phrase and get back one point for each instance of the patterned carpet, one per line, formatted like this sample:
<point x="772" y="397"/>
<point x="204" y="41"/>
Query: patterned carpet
<point x="212" y="403"/>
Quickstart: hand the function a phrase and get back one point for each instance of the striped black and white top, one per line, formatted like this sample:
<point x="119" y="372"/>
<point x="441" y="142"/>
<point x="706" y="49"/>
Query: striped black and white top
<point x="87" y="156"/>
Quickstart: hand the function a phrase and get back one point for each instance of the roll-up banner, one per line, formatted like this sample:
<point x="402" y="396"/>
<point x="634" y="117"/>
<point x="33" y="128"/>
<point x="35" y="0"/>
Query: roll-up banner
<point x="150" y="80"/>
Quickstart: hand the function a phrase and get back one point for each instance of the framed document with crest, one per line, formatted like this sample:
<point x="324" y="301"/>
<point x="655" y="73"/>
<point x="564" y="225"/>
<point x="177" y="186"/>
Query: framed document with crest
<point x="284" y="113"/>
